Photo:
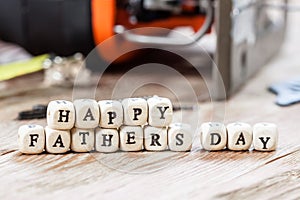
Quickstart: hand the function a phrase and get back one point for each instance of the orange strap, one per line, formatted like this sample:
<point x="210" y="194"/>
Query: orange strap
<point x="103" y="19"/>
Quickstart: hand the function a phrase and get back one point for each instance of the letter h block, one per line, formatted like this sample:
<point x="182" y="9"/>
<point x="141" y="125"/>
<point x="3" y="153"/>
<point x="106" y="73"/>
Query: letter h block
<point x="60" y="115"/>
<point x="160" y="111"/>
<point x="106" y="140"/>
<point x="213" y="136"/>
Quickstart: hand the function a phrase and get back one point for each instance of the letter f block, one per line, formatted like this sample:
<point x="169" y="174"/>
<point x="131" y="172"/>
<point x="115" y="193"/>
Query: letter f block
<point x="60" y="115"/>
<point x="213" y="136"/>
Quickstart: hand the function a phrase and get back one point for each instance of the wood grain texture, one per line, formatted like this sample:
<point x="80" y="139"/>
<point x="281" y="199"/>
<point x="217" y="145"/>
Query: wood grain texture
<point x="160" y="175"/>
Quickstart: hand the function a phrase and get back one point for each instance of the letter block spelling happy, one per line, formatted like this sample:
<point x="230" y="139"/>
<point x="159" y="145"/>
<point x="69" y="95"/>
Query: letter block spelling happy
<point x="87" y="113"/>
<point x="111" y="114"/>
<point x="160" y="111"/>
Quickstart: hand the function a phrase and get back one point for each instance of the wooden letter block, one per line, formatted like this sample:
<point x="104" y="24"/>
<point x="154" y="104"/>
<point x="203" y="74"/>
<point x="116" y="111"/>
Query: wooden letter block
<point x="60" y="115"/>
<point x="111" y="114"/>
<point x="265" y="136"/>
<point x="57" y="141"/>
<point x="239" y="136"/>
<point x="155" y="138"/>
<point x="160" y="111"/>
<point x="213" y="136"/>
<point x="135" y="111"/>
<point x="87" y="113"/>
<point x="131" y="138"/>
<point x="180" y="137"/>
<point x="31" y="139"/>
<point x="107" y="140"/>
<point x="82" y="140"/>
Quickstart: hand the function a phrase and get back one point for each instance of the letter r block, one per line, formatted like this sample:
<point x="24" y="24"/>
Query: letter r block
<point x="82" y="140"/>
<point x="160" y="111"/>
<point x="60" y="115"/>
<point x="135" y="111"/>
<point x="111" y="114"/>
<point x="31" y="139"/>
<point x="155" y="138"/>
<point x="57" y="141"/>
<point x="87" y="113"/>
<point x="106" y="140"/>
<point x="239" y="136"/>
<point x="180" y="137"/>
<point x="213" y="136"/>
<point x="131" y="138"/>
<point x="265" y="136"/>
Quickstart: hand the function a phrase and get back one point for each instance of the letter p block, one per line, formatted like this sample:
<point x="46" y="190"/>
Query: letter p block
<point x="213" y="136"/>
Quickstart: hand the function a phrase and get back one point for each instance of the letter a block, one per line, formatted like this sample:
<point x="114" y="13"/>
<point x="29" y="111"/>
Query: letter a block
<point x="135" y="111"/>
<point x="82" y="140"/>
<point x="107" y="140"/>
<point x="213" y="136"/>
<point x="131" y="138"/>
<point x="155" y="139"/>
<point x="60" y="115"/>
<point x="180" y="137"/>
<point x="87" y="113"/>
<point x="239" y="136"/>
<point x="160" y="111"/>
<point x="31" y="139"/>
<point x="57" y="141"/>
<point x="265" y="136"/>
<point x="111" y="114"/>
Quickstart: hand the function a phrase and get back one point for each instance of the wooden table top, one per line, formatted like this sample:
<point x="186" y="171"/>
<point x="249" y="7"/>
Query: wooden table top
<point x="160" y="175"/>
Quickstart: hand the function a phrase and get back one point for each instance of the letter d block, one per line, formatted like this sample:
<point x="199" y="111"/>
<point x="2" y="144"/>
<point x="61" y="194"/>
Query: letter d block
<point x="31" y="139"/>
<point x="60" y="115"/>
<point x="155" y="139"/>
<point x="131" y="138"/>
<point x="213" y="136"/>
<point x="239" y="136"/>
<point x="135" y="111"/>
<point x="82" y="140"/>
<point x="180" y="137"/>
<point x="87" y="113"/>
<point x="57" y="141"/>
<point x="160" y="111"/>
<point x="265" y="136"/>
<point x="111" y="113"/>
<point x="107" y="140"/>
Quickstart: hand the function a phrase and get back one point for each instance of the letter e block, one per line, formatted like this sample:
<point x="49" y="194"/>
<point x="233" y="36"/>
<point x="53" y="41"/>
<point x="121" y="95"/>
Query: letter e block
<point x="160" y="111"/>
<point x="180" y="137"/>
<point x="31" y="139"/>
<point x="111" y="113"/>
<point x="131" y="138"/>
<point x="239" y="136"/>
<point x="82" y="140"/>
<point x="60" y="115"/>
<point x="107" y="140"/>
<point x="87" y="113"/>
<point x="57" y="141"/>
<point x="265" y="136"/>
<point x="135" y="111"/>
<point x="213" y="136"/>
<point x="155" y="138"/>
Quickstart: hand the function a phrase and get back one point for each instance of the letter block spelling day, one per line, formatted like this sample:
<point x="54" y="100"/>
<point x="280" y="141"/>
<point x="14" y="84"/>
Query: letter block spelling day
<point x="239" y="136"/>
<point x="213" y="136"/>
<point x="265" y="136"/>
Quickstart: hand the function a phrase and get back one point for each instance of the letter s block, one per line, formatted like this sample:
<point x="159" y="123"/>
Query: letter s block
<point x="180" y="137"/>
<point x="87" y="113"/>
<point x="213" y="136"/>
<point x="239" y="136"/>
<point x="135" y="111"/>
<point x="160" y="111"/>
<point x="60" y="115"/>
<point x="111" y="113"/>
<point x="31" y="139"/>
<point x="265" y="136"/>
<point x="131" y="138"/>
<point x="57" y="141"/>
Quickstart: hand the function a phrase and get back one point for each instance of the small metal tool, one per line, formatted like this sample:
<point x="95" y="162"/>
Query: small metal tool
<point x="37" y="112"/>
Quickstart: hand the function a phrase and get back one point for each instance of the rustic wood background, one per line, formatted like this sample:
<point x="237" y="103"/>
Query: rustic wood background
<point x="163" y="175"/>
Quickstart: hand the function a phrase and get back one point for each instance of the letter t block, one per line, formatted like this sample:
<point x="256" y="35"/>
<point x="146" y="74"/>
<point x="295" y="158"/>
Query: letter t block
<point x="60" y="115"/>
<point x="213" y="136"/>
